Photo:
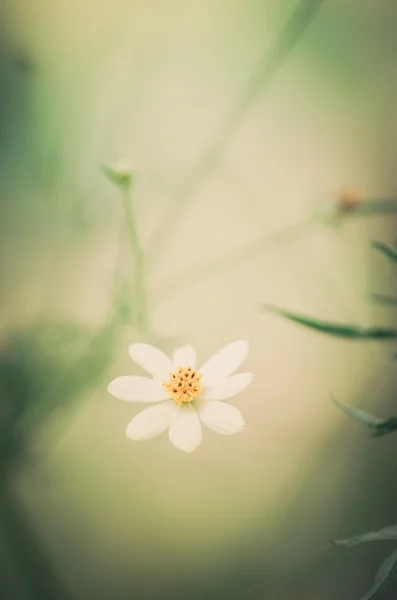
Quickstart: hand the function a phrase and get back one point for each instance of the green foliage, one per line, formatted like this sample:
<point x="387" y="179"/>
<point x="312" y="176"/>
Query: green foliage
<point x="386" y="577"/>
<point x="385" y="580"/>
<point x="336" y="329"/>
<point x="378" y="426"/>
<point x="386" y="249"/>
<point x="375" y="207"/>
<point x="387" y="533"/>
<point x="383" y="299"/>
<point x="42" y="369"/>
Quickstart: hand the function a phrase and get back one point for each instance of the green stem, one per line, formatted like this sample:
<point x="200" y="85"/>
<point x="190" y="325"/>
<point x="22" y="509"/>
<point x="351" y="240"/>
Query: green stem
<point x="139" y="281"/>
<point x="269" y="65"/>
<point x="233" y="258"/>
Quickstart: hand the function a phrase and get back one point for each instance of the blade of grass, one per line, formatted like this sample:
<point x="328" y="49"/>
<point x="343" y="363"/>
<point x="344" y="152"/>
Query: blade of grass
<point x="385" y="580"/>
<point x="380" y="426"/>
<point x="359" y="415"/>
<point x="347" y="331"/>
<point x="387" y="533"/>
<point x="386" y="249"/>
<point x="384" y="299"/>
<point x="376" y="206"/>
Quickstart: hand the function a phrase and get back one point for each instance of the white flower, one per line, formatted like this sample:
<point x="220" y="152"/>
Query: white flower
<point x="184" y="396"/>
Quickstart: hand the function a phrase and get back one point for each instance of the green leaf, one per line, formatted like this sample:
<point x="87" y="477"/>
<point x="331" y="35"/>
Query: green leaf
<point x="386" y="249"/>
<point x="387" y="533"/>
<point x="383" y="299"/>
<point x="379" y="426"/>
<point x="385" y="580"/>
<point x="336" y="329"/>
<point x="358" y="414"/>
<point x="351" y="205"/>
<point x="376" y="206"/>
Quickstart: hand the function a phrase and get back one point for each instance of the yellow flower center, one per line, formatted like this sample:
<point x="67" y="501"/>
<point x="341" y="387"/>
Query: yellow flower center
<point x="184" y="384"/>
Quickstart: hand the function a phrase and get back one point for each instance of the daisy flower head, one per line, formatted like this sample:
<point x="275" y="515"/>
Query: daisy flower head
<point x="184" y="396"/>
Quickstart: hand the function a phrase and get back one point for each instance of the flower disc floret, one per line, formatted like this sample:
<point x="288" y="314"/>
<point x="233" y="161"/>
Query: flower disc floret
<point x="183" y="385"/>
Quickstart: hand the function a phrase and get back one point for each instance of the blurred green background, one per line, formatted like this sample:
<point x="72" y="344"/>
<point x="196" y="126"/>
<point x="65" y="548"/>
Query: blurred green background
<point x="85" y="513"/>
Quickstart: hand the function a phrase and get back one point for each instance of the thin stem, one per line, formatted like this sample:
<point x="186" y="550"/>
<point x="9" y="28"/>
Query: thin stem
<point x="267" y="68"/>
<point x="233" y="258"/>
<point x="384" y="299"/>
<point x="139" y="285"/>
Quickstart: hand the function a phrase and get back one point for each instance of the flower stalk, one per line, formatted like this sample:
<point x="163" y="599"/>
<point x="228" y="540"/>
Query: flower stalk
<point x="139" y="279"/>
<point x="234" y="257"/>
<point x="260" y="79"/>
<point x="121" y="174"/>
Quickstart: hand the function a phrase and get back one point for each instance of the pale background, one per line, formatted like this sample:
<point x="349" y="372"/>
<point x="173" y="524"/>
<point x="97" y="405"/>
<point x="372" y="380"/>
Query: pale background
<point x="85" y="83"/>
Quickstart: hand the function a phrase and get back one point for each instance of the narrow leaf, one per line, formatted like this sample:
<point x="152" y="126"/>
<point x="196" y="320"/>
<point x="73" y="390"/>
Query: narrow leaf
<point x="336" y="329"/>
<point x="379" y="426"/>
<point x="386" y="249"/>
<point x="383" y="299"/>
<point x="359" y="415"/>
<point x="387" y="533"/>
<point x="377" y="206"/>
<point x="385" y="580"/>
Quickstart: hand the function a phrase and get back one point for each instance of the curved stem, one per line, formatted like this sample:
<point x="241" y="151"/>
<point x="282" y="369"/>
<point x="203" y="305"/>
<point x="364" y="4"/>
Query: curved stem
<point x="231" y="259"/>
<point x="269" y="65"/>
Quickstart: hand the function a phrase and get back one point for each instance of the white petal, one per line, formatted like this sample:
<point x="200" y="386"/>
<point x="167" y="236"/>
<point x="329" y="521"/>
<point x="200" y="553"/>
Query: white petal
<point x="224" y="362"/>
<point x="137" y="389"/>
<point x="151" y="359"/>
<point x="184" y="357"/>
<point x="151" y="421"/>
<point x="228" y="387"/>
<point x="185" y="428"/>
<point x="220" y="416"/>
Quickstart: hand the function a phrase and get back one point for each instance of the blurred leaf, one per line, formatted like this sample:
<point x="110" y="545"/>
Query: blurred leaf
<point x="34" y="563"/>
<point x="385" y="580"/>
<point x="46" y="368"/>
<point x="386" y="249"/>
<point x="387" y="533"/>
<point x="336" y="329"/>
<point x="358" y="414"/>
<point x="374" y="207"/>
<point x="386" y="300"/>
<point x="380" y="426"/>
<point x="350" y="204"/>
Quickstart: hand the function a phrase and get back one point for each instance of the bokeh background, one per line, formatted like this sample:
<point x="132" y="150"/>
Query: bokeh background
<point x="85" y="513"/>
